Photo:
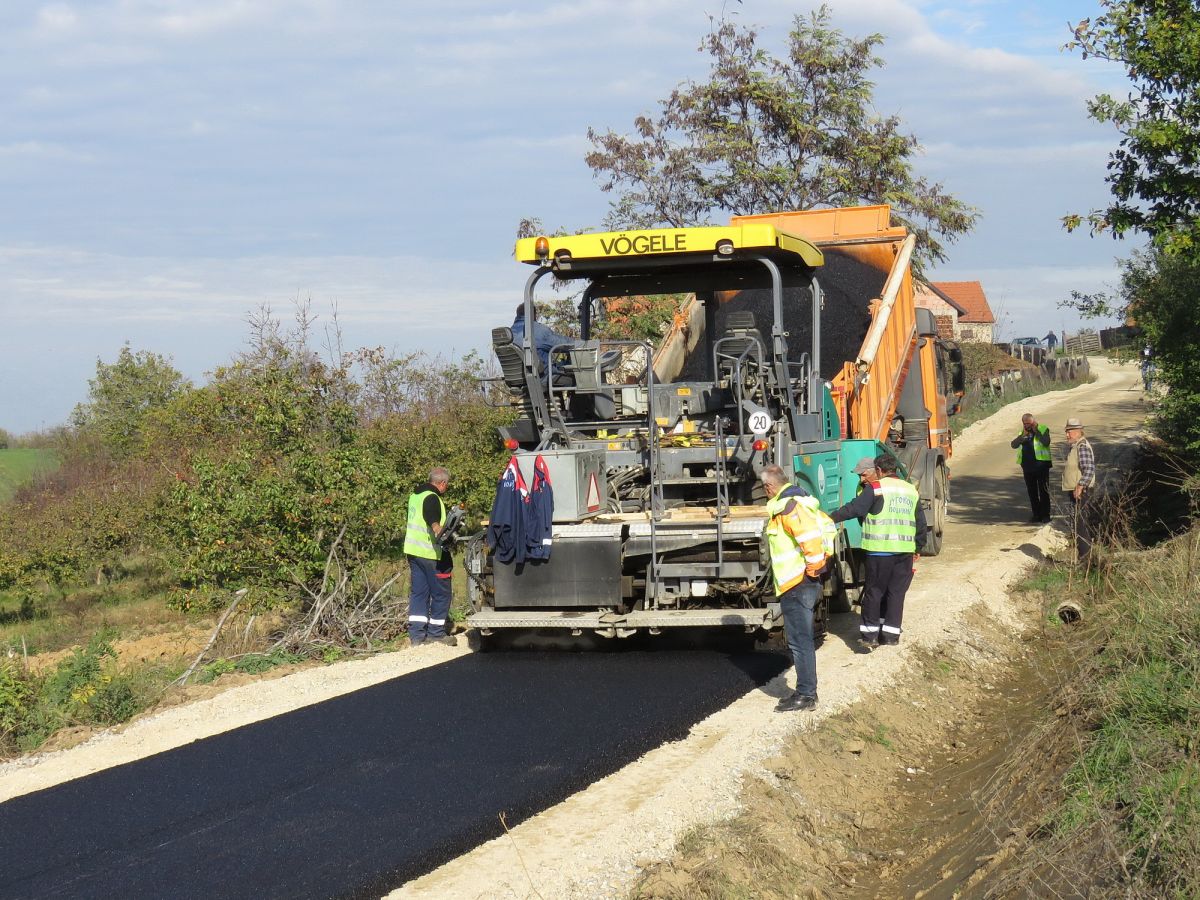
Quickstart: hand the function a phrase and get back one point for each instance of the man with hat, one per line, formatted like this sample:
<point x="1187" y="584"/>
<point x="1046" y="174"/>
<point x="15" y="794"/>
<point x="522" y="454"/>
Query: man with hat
<point x="894" y="526"/>
<point x="1078" y="482"/>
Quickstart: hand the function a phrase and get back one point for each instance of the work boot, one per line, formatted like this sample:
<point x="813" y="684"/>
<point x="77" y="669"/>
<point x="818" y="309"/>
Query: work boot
<point x="889" y="640"/>
<point x="796" y="702"/>
<point x="862" y="645"/>
<point x="448" y="639"/>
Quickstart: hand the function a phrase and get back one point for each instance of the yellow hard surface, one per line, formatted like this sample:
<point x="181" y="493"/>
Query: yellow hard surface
<point x="671" y="241"/>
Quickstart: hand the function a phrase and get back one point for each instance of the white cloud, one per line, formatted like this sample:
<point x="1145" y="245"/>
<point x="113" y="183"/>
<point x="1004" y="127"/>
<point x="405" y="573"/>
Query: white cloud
<point x="40" y="150"/>
<point x="214" y="16"/>
<point x="1024" y="155"/>
<point x="406" y="293"/>
<point x="57" y="17"/>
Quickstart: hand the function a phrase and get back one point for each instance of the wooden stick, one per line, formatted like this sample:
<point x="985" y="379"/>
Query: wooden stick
<point x="182" y="679"/>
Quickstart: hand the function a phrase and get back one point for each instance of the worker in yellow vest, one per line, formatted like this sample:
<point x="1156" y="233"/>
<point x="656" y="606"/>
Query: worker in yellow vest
<point x="893" y="529"/>
<point x="794" y="535"/>
<point x="428" y="563"/>
<point x="1032" y="444"/>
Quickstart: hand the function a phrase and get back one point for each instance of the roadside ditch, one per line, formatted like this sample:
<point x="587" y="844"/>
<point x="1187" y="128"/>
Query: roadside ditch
<point x="902" y="795"/>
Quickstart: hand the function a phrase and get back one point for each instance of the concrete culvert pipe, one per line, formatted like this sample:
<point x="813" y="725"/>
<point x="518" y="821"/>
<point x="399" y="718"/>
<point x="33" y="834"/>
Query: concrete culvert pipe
<point x="1069" y="612"/>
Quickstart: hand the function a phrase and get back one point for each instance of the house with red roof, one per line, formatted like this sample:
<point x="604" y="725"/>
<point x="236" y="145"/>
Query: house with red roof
<point x="960" y="308"/>
<point x="945" y="311"/>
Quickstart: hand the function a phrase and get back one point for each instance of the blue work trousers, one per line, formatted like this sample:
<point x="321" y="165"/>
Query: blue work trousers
<point x="797" y="605"/>
<point x="429" y="600"/>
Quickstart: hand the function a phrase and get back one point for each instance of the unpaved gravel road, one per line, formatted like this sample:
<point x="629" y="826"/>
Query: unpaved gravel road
<point x="595" y="843"/>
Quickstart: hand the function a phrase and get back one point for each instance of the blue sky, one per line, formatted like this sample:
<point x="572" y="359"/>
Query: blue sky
<point x="167" y="167"/>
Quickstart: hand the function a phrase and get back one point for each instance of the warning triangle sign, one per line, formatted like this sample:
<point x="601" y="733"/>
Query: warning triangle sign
<point x="593" y="494"/>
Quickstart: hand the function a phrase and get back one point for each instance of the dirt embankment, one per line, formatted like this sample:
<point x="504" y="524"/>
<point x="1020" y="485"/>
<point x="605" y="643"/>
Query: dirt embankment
<point x="902" y="796"/>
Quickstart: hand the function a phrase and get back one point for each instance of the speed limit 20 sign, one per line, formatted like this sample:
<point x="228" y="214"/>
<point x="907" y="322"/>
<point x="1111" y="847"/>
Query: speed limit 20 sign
<point x="760" y="422"/>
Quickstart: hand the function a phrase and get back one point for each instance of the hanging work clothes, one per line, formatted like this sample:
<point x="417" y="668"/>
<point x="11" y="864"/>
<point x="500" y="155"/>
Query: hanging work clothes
<point x="506" y="527"/>
<point x="539" y="520"/>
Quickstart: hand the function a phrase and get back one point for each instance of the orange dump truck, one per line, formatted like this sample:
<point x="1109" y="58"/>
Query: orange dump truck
<point x="893" y="382"/>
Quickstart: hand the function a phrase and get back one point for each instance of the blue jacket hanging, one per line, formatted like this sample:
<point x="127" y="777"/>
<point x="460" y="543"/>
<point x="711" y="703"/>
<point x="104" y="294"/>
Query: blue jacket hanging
<point x="506" y="526"/>
<point x="539" y="520"/>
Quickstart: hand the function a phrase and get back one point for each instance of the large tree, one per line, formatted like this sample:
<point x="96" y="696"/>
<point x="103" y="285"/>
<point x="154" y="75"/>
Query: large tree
<point x="123" y="394"/>
<point x="1154" y="177"/>
<point x="1154" y="173"/>
<point x="767" y="134"/>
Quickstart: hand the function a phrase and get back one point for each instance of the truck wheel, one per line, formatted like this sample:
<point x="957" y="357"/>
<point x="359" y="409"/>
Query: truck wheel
<point x="835" y="590"/>
<point x="856" y="568"/>
<point x="937" y="514"/>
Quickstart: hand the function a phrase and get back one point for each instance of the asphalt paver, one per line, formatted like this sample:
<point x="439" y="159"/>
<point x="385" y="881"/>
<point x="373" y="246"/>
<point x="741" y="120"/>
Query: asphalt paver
<point x="356" y="795"/>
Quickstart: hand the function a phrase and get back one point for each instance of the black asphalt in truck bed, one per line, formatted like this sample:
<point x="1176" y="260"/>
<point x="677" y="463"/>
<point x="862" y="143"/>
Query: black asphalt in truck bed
<point x="849" y="287"/>
<point x="355" y="795"/>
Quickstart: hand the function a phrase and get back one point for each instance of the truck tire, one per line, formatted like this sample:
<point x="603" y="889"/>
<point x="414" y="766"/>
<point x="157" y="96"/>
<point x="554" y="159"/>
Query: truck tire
<point x="835" y="589"/>
<point x="937" y="513"/>
<point x="856" y="568"/>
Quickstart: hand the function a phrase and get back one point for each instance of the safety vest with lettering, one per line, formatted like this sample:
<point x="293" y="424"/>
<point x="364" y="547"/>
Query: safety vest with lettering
<point x="1041" y="452"/>
<point x="795" y="539"/>
<point x="894" y="528"/>
<point x="418" y="536"/>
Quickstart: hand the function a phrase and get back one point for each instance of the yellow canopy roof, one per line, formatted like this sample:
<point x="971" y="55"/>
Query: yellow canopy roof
<point x="670" y="242"/>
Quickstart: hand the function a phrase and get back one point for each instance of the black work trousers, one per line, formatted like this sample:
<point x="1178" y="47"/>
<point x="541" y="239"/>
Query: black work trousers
<point x="1037" y="482"/>
<point x="888" y="578"/>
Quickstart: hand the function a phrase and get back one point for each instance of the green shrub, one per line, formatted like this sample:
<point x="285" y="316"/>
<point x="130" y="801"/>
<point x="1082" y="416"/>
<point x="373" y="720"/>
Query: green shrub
<point x="84" y="688"/>
<point x="115" y="701"/>
<point x="79" y="677"/>
<point x="1138" y="771"/>
<point x="251" y="664"/>
<point x="16" y="698"/>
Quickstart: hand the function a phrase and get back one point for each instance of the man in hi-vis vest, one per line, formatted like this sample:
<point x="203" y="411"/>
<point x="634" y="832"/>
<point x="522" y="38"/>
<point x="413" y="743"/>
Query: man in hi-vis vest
<point x="429" y="599"/>
<point x="1032" y="444"/>
<point x="794" y="536"/>
<point x="893" y="528"/>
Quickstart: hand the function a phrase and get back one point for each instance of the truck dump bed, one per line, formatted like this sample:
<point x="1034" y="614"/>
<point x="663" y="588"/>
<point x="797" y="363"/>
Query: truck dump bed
<point x="868" y="321"/>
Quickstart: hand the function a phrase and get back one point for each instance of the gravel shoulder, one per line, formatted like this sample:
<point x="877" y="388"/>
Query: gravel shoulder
<point x="596" y="843"/>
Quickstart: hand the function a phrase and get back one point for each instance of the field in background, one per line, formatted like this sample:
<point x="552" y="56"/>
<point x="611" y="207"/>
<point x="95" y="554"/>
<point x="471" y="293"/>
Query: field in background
<point x="20" y="466"/>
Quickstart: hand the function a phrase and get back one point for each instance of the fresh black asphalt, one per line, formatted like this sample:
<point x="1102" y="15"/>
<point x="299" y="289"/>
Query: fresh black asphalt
<point x="358" y="794"/>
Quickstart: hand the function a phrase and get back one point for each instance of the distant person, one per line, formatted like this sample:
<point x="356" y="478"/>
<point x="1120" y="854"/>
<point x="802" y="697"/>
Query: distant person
<point x="1032" y="444"/>
<point x="1051" y="340"/>
<point x="1147" y="364"/>
<point x="893" y="529"/>
<point x="544" y="338"/>
<point x="797" y="560"/>
<point x="1078" y="482"/>
<point x="428" y="563"/>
